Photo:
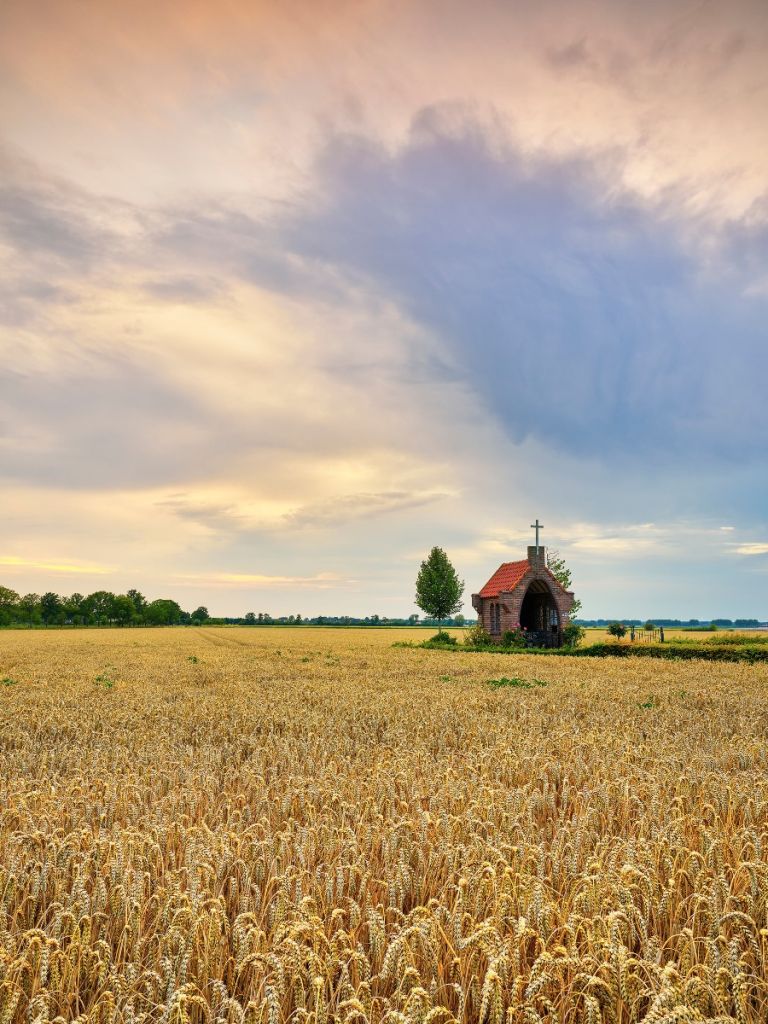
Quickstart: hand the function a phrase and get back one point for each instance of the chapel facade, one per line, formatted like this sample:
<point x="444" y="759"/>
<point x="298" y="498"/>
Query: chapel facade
<point x="525" y="595"/>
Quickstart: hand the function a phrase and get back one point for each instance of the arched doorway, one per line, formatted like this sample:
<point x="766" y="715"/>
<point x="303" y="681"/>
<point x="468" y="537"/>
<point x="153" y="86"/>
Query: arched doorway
<point x="538" y="612"/>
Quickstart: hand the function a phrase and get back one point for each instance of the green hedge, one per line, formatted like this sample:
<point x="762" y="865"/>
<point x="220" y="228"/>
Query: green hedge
<point x="672" y="651"/>
<point x="707" y="651"/>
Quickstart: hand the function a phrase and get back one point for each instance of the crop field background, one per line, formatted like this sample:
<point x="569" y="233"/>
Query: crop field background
<point x="597" y="634"/>
<point x="227" y="825"/>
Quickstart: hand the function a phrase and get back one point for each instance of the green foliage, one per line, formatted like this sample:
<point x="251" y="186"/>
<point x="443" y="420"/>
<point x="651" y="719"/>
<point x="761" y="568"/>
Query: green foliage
<point x="7" y="681"/>
<point x="9" y="605"/>
<point x="51" y="609"/>
<point x="163" y="612"/>
<point x="573" y="635"/>
<point x="98" y="605"/>
<point x="441" y="637"/>
<point x="200" y="614"/>
<point x="104" y="682"/>
<point x="676" y="651"/>
<point x="649" y="626"/>
<point x="438" y="587"/>
<point x="193" y="658"/>
<point x="680" y="651"/>
<point x="138" y="601"/>
<point x="649" y="703"/>
<point x="561" y="572"/>
<point x="617" y="629"/>
<point x="515" y="681"/>
<point x="122" y="610"/>
<point x="477" y="637"/>
<point x="29" y="605"/>
<point x="513" y="638"/>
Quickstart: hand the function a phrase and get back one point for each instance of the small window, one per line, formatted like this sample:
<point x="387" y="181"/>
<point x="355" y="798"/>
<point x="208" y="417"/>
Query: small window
<point x="495" y="611"/>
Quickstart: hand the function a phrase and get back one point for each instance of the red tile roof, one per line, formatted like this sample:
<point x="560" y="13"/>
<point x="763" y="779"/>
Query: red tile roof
<point x="506" y="577"/>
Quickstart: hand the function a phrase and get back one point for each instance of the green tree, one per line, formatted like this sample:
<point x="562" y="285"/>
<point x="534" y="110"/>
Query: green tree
<point x="9" y="605"/>
<point x="438" y="587"/>
<point x="30" y="607"/>
<point x="200" y="614"/>
<point x="73" y="609"/>
<point x="561" y="572"/>
<point x="250" y="618"/>
<point x="163" y="612"/>
<point x="617" y="629"/>
<point x="459" y="620"/>
<point x="98" y="605"/>
<point x="51" y="609"/>
<point x="123" y="610"/>
<point x="139" y="603"/>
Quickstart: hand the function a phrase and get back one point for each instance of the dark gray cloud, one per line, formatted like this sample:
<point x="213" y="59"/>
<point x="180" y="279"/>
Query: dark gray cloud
<point x="579" y="317"/>
<point x="582" y="317"/>
<point x="625" y="334"/>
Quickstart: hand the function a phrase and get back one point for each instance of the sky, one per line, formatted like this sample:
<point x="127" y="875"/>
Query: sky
<point x="290" y="293"/>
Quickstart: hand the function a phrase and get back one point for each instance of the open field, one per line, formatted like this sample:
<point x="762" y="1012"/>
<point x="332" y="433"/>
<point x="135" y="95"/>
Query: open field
<point x="596" y="634"/>
<point x="309" y="825"/>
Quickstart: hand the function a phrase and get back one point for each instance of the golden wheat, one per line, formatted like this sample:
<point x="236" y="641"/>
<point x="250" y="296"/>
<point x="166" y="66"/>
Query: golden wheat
<point x="269" y="825"/>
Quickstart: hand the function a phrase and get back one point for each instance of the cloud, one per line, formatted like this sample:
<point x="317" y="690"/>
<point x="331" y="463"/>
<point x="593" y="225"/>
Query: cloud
<point x="343" y="508"/>
<point x="752" y="548"/>
<point x="579" y="315"/>
<point x="321" y="581"/>
<point x="55" y="567"/>
<point x="252" y="516"/>
<point x="103" y="420"/>
<point x="49" y="217"/>
<point x="183" y="289"/>
<point x="290" y="271"/>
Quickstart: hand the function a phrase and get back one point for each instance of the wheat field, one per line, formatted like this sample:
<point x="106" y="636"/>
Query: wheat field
<point x="273" y="825"/>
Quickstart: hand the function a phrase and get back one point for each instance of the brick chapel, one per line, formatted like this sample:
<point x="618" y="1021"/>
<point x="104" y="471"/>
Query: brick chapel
<point x="527" y="596"/>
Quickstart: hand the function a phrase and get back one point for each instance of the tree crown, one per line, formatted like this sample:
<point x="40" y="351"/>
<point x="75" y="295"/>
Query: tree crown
<point x="438" y="587"/>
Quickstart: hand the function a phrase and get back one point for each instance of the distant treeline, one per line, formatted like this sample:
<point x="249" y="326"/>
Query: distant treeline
<point x="678" y="623"/>
<point x="103" y="608"/>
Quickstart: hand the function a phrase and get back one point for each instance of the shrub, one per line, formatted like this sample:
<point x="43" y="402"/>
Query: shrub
<point x="572" y="635"/>
<point x="513" y="638"/>
<point x="617" y="629"/>
<point x="442" y="638"/>
<point x="706" y="651"/>
<point x="478" y="637"/>
<point x="649" y="626"/>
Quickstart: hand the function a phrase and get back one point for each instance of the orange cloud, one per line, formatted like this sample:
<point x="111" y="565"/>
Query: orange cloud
<point x="58" y="568"/>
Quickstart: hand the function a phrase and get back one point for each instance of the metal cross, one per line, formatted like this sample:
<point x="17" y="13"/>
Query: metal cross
<point x="537" y="526"/>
